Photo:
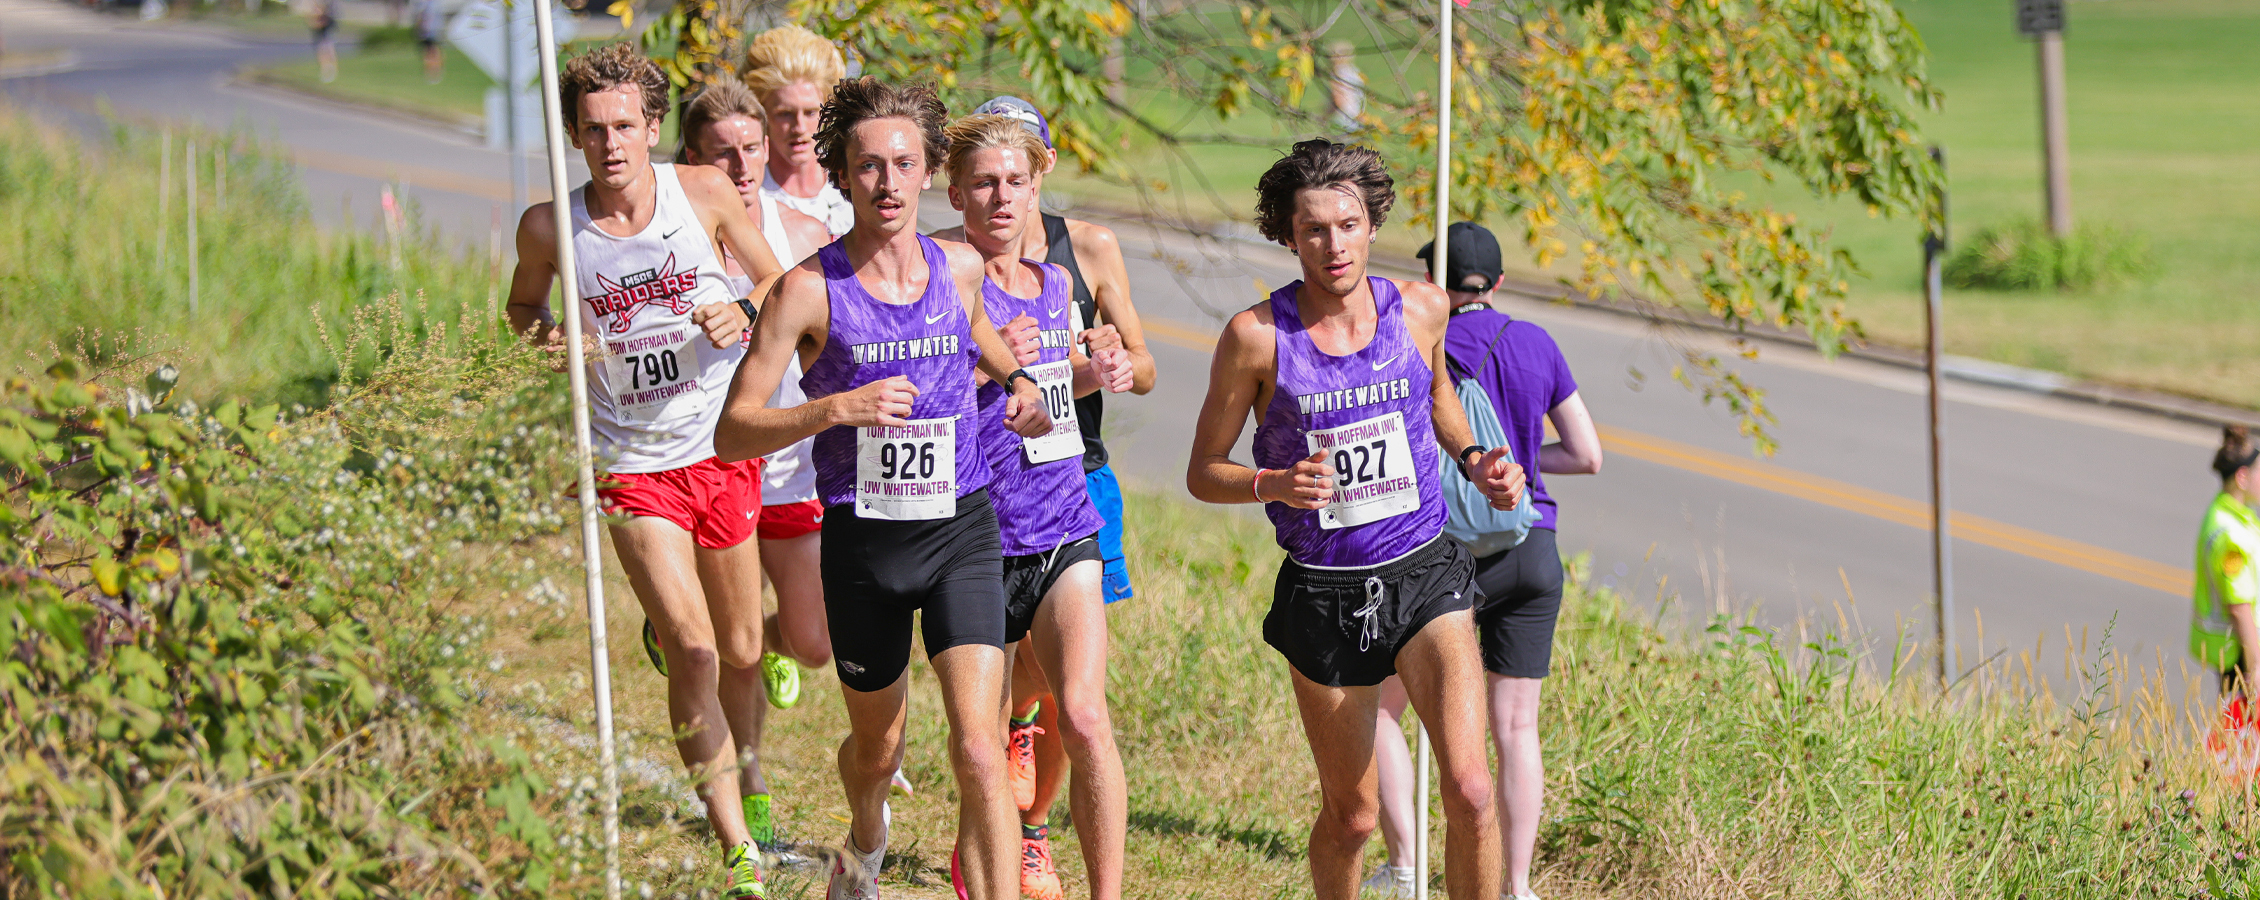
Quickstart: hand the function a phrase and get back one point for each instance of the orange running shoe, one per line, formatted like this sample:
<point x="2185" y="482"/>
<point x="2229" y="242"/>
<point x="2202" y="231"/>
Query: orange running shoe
<point x="1020" y="746"/>
<point x="1037" y="879"/>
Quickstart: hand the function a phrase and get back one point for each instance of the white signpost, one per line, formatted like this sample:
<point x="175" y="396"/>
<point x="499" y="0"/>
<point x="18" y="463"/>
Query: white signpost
<point x="500" y="40"/>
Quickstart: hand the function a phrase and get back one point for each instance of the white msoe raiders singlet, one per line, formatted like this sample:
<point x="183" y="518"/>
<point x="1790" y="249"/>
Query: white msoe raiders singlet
<point x="656" y="389"/>
<point x="786" y="475"/>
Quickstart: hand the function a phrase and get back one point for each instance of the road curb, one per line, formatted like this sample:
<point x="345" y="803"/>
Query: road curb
<point x="249" y="76"/>
<point x="1965" y="369"/>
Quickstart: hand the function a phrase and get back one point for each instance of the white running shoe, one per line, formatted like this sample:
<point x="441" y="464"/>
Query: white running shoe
<point x="1390" y="882"/>
<point x="902" y="784"/>
<point x="855" y="874"/>
<point x="1522" y="896"/>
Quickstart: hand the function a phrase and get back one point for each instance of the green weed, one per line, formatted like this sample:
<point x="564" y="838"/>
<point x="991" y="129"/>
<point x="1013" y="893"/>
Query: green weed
<point x="2023" y="256"/>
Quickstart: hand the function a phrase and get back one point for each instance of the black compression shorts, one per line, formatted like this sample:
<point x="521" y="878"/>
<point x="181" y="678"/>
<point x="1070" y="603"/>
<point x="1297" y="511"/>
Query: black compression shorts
<point x="1522" y="595"/>
<point x="1028" y="578"/>
<point x="877" y="572"/>
<point x="1344" y="627"/>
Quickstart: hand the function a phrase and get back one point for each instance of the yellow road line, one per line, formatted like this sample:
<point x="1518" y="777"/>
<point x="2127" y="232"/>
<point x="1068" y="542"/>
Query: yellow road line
<point x="1893" y="508"/>
<point x="1999" y="535"/>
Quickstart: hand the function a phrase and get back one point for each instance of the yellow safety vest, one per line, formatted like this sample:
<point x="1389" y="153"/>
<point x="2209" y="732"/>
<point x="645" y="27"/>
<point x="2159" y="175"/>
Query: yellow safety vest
<point x="2228" y="573"/>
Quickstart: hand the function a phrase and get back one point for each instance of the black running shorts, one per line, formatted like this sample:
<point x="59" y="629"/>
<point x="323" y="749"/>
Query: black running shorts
<point x="1344" y="627"/>
<point x="1522" y="595"/>
<point x="1028" y="578"/>
<point x="877" y="572"/>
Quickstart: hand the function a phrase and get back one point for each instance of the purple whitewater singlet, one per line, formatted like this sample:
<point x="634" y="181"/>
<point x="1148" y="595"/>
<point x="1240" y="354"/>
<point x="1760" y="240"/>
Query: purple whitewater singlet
<point x="1369" y="411"/>
<point x="930" y="341"/>
<point x="1040" y="505"/>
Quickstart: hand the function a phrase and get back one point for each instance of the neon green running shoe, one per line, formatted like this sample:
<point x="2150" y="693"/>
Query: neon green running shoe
<point x="651" y="647"/>
<point x="782" y="677"/>
<point x="744" y="874"/>
<point x="758" y="821"/>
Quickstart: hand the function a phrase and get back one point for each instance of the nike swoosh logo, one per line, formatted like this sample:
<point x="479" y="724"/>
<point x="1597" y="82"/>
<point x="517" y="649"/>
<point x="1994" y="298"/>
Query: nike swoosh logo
<point x="936" y="317"/>
<point x="1378" y="366"/>
<point x="678" y="230"/>
<point x="1054" y="314"/>
<point x="751" y="513"/>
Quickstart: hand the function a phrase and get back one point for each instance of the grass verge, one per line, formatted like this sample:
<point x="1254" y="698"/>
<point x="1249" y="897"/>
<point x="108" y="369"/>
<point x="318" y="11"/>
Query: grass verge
<point x="1729" y="763"/>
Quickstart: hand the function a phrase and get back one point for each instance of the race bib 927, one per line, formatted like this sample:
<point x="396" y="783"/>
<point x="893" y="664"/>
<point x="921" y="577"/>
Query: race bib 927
<point x="907" y="472"/>
<point x="1056" y="381"/>
<point x="1373" y="471"/>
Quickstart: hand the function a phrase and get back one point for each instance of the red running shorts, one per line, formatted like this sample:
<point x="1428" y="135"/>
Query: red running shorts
<point x="785" y="521"/>
<point x="719" y="503"/>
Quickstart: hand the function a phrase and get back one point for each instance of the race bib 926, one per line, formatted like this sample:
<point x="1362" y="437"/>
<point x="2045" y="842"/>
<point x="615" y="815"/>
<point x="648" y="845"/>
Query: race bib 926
<point x="907" y="472"/>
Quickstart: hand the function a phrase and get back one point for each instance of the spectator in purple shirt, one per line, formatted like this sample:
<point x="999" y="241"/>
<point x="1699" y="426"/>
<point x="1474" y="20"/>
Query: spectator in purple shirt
<point x="1529" y="384"/>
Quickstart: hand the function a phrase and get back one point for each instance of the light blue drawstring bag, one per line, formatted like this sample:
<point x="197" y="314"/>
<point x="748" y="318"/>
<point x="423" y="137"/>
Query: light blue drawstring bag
<point x="1485" y="530"/>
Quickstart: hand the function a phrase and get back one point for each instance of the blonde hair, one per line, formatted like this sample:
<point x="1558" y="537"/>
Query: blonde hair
<point x="986" y="131"/>
<point x="722" y="98"/>
<point x="790" y="53"/>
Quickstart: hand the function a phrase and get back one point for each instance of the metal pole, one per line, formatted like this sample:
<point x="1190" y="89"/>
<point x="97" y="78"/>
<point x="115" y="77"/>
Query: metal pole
<point x="189" y="161"/>
<point x="1437" y="256"/>
<point x="512" y="81"/>
<point x="2055" y="133"/>
<point x="1941" y="536"/>
<point x="600" y="660"/>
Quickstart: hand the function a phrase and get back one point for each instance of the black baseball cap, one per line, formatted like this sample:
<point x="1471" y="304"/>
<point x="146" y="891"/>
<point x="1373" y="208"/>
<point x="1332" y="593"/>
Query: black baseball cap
<point x="1474" y="253"/>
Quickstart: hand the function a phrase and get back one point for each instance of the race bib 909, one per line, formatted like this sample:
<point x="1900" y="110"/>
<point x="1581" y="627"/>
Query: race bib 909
<point x="1373" y="471"/>
<point x="1056" y="381"/>
<point x="907" y="472"/>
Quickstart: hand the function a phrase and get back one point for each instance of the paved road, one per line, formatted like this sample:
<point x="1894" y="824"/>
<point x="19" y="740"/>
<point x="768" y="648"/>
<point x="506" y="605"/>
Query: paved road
<point x="2067" y="515"/>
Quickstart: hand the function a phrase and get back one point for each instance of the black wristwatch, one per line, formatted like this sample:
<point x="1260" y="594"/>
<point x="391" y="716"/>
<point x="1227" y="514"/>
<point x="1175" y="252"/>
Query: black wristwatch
<point x="751" y="313"/>
<point x="1477" y="449"/>
<point x="1021" y="373"/>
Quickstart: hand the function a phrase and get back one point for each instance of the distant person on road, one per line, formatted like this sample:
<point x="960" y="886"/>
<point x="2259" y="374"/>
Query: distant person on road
<point x="431" y="25"/>
<point x="321" y="16"/>
<point x="2222" y="633"/>
<point x="723" y="128"/>
<point x="1529" y="384"/>
<point x="648" y="239"/>
<point x="793" y="71"/>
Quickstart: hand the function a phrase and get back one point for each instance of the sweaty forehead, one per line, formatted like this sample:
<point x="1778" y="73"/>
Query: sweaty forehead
<point x="1329" y="202"/>
<point x="617" y="101"/>
<point x="888" y="137"/>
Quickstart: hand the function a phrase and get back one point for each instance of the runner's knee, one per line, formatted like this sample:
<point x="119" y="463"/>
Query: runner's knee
<point x="978" y="761"/>
<point x="1468" y="798"/>
<point x="1351" y="820"/>
<point x="1085" y="724"/>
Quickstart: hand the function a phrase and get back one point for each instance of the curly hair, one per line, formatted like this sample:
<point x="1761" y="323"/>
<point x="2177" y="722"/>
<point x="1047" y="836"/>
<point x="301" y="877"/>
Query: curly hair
<point x="866" y="98"/>
<point x="609" y="67"/>
<point x="790" y="53"/>
<point x="722" y="98"/>
<point x="982" y="132"/>
<point x="1319" y="163"/>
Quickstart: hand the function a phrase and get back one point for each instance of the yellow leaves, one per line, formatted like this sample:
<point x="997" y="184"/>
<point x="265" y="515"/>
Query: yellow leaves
<point x="1114" y="21"/>
<point x="626" y="10"/>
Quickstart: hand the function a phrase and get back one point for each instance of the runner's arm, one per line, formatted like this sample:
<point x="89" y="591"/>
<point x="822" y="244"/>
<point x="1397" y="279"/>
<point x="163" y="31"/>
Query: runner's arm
<point x="724" y="213"/>
<point x="798" y="310"/>
<point x="1024" y="410"/>
<point x="1099" y="255"/>
<point x="803" y="233"/>
<point x="1235" y="385"/>
<point x="1578" y="452"/>
<point x="2242" y="624"/>
<point x="1427" y="311"/>
<point x="528" y="308"/>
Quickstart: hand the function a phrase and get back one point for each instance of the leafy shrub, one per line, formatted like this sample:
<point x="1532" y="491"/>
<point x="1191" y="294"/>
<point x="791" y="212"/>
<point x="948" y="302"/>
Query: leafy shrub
<point x="2023" y="256"/>
<point x="240" y="648"/>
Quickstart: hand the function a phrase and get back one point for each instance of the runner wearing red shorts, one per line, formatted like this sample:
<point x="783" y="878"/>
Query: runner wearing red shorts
<point x="648" y="239"/>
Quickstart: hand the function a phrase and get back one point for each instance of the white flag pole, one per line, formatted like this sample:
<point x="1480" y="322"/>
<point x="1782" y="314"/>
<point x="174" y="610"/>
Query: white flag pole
<point x="1436" y="260"/>
<point x="600" y="664"/>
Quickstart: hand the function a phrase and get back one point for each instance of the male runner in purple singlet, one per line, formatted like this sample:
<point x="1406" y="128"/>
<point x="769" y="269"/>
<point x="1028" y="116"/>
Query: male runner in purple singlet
<point x="889" y="327"/>
<point x="1052" y="561"/>
<point x="1345" y="375"/>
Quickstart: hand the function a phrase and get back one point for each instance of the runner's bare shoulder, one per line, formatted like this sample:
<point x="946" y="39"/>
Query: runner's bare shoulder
<point x="1098" y="238"/>
<point x="951" y="233"/>
<point x="801" y="231"/>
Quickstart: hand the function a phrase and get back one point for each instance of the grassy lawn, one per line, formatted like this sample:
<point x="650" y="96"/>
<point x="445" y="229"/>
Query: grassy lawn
<point x="392" y="76"/>
<point x="1723" y="765"/>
